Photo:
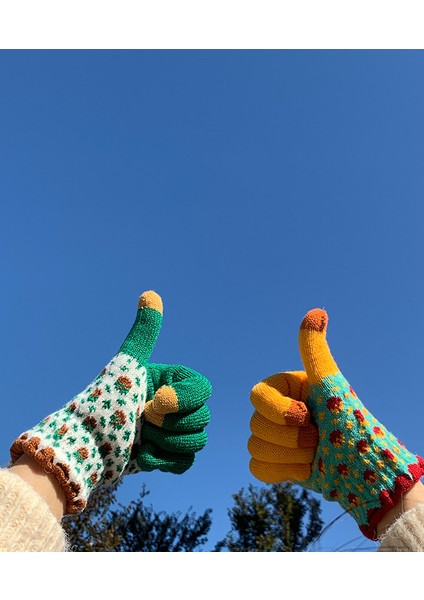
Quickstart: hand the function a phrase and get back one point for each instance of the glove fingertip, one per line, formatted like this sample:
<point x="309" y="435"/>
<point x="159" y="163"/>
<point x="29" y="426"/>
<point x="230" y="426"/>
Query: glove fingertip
<point x="166" y="400"/>
<point x="151" y="299"/>
<point x="315" y="320"/>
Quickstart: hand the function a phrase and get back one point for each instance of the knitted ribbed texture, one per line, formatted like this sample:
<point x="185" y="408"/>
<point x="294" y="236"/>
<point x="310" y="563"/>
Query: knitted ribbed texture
<point x="26" y="521"/>
<point x="356" y="461"/>
<point x="103" y="434"/>
<point x="88" y="442"/>
<point x="406" y="534"/>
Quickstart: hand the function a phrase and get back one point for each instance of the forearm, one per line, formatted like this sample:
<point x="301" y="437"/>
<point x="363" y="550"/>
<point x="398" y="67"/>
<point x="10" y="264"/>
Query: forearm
<point x="27" y="523"/>
<point x="43" y="483"/>
<point x="402" y="529"/>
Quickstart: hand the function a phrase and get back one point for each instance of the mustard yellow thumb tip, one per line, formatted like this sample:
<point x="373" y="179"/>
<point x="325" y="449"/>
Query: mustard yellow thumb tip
<point x="151" y="299"/>
<point x="315" y="320"/>
<point x="314" y="350"/>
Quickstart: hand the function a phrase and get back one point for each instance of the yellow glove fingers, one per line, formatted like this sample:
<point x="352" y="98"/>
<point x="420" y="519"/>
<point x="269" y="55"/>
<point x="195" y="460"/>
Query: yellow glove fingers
<point x="281" y="398"/>
<point x="313" y="346"/>
<point x="272" y="453"/>
<point x="276" y="473"/>
<point x="283" y="435"/>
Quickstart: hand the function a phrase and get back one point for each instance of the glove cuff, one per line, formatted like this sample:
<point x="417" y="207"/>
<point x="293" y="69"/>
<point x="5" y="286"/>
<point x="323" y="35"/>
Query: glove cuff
<point x="390" y="497"/>
<point x="359" y="463"/>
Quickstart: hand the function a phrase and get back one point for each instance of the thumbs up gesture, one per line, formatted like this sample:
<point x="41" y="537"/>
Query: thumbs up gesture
<point x="310" y="427"/>
<point x="135" y="415"/>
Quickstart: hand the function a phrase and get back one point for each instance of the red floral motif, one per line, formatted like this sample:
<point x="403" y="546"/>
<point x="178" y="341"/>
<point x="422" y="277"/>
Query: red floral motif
<point x="378" y="431"/>
<point x="353" y="499"/>
<point x="352" y="391"/>
<point x="335" y="404"/>
<point x="334" y="494"/>
<point x="359" y="416"/>
<point x="387" y="454"/>
<point x="362" y="446"/>
<point x="337" y="438"/>
<point x="370" y="476"/>
<point x="343" y="470"/>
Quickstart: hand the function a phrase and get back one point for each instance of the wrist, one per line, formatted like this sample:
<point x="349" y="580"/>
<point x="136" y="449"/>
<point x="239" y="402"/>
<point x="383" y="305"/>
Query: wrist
<point x="45" y="484"/>
<point x="409" y="500"/>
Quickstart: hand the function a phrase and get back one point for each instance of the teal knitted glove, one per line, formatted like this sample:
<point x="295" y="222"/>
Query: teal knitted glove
<point x="311" y="428"/>
<point x="108" y="430"/>
<point x="358" y="462"/>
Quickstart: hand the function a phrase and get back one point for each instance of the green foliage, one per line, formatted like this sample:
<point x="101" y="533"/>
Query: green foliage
<point x="275" y="518"/>
<point x="105" y="526"/>
<point x="147" y="531"/>
<point x="97" y="528"/>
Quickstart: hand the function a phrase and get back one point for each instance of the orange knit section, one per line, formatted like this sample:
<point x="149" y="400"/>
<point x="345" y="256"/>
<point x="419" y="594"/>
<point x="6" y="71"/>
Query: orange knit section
<point x="266" y="430"/>
<point x="152" y="416"/>
<point x="293" y="384"/>
<point x="270" y="398"/>
<point x="314" y="350"/>
<point x="308" y="437"/>
<point x="272" y="453"/>
<point x="151" y="299"/>
<point x="165" y="400"/>
<point x="297" y="414"/>
<point x="316" y="320"/>
<point x="276" y="473"/>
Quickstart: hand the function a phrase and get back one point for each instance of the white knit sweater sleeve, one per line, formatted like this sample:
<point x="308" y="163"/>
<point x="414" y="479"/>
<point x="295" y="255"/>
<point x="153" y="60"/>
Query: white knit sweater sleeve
<point x="26" y="521"/>
<point x="406" y="534"/>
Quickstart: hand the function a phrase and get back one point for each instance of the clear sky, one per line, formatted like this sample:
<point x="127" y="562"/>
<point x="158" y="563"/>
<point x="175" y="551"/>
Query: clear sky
<point x="245" y="187"/>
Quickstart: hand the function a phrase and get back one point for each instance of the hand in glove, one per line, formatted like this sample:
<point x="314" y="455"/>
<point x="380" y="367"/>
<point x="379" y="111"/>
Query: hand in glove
<point x="133" y="416"/>
<point x="311" y="428"/>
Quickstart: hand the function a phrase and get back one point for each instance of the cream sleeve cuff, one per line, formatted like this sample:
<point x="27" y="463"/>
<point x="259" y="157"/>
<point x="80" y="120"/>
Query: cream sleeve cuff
<point x="26" y="521"/>
<point x="406" y="534"/>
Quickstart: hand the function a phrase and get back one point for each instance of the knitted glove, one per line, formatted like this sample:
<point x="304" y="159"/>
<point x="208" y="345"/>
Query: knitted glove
<point x="101" y="434"/>
<point x="174" y="420"/>
<point x="355" y="460"/>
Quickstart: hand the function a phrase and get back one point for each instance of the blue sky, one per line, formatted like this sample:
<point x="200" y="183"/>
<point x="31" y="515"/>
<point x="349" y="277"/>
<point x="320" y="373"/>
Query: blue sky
<point x="245" y="187"/>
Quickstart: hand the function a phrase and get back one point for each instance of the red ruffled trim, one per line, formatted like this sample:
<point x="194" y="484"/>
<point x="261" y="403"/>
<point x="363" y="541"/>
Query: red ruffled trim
<point x="389" y="498"/>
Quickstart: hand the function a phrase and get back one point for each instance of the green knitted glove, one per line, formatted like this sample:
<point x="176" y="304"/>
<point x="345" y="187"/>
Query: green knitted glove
<point x="174" y="420"/>
<point x="107" y="430"/>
